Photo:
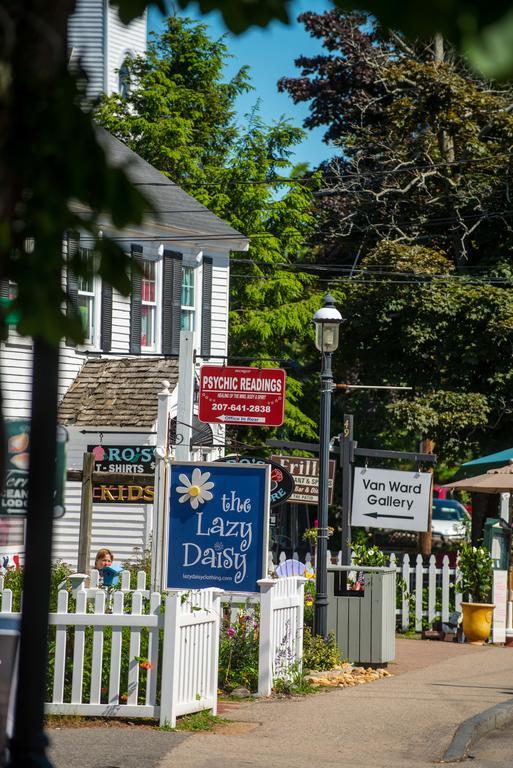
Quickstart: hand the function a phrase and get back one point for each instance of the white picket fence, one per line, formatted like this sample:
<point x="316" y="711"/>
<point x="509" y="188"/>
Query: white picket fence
<point x="429" y="592"/>
<point x="281" y="629"/>
<point x="91" y="645"/>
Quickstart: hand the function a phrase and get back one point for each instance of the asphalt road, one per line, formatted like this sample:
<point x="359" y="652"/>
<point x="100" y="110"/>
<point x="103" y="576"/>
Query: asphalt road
<point x="494" y="750"/>
<point x="110" y="747"/>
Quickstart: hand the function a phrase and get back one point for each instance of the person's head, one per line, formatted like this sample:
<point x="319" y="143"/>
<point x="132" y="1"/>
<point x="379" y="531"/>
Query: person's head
<point x="104" y="557"/>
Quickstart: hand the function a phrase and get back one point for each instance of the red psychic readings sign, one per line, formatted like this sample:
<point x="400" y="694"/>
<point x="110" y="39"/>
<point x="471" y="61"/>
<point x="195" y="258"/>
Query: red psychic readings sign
<point x="234" y="395"/>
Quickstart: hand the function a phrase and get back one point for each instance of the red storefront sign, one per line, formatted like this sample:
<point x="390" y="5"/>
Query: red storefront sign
<point x="235" y="395"/>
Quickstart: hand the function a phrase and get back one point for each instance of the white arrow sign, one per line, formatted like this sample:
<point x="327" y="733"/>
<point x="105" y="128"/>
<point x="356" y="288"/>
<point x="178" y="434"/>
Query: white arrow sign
<point x="384" y="498"/>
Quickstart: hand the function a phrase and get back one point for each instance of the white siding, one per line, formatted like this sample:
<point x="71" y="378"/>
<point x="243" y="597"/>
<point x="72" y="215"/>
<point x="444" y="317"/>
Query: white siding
<point x="16" y="377"/>
<point x="86" y="42"/>
<point x="121" y="40"/>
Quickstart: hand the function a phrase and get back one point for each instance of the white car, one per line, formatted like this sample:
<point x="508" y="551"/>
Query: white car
<point x="450" y="521"/>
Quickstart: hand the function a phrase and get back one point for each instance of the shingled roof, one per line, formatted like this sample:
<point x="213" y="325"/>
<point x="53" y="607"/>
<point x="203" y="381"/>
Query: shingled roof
<point x="119" y="393"/>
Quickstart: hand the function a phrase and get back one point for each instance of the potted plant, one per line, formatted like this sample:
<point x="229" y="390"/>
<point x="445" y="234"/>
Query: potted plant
<point x="475" y="583"/>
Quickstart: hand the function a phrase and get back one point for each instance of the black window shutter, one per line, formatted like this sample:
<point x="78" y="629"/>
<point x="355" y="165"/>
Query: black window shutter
<point x="73" y="239"/>
<point x="106" y="317"/>
<point x="135" y="303"/>
<point x="4" y="294"/>
<point x="171" y="302"/>
<point x="206" y="308"/>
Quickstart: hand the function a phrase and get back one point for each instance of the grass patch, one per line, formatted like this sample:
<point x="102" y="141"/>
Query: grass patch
<point x="198" y="721"/>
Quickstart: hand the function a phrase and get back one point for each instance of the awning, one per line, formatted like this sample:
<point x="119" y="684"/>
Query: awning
<point x="484" y="463"/>
<point x="498" y="480"/>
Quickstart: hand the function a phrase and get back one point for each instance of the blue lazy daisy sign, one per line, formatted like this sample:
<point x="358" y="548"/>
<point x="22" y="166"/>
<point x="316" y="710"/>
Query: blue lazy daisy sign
<point x="218" y="526"/>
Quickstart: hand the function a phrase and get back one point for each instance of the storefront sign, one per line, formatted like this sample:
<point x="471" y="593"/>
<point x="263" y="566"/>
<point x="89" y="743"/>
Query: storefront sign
<point x="13" y="501"/>
<point x="139" y="459"/>
<point x="282" y="482"/>
<point x="384" y="498"/>
<point x="123" y="459"/>
<point x="104" y="493"/>
<point x="218" y="525"/>
<point x="305" y="473"/>
<point x="234" y="395"/>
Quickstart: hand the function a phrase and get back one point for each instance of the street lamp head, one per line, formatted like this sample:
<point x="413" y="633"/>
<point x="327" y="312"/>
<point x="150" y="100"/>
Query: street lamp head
<point x="327" y="321"/>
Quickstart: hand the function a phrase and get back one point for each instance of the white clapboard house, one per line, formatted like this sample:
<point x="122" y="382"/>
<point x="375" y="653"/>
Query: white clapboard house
<point x="109" y="385"/>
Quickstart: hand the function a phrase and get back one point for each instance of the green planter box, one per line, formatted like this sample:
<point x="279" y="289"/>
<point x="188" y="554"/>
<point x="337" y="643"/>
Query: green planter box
<point x="363" y="621"/>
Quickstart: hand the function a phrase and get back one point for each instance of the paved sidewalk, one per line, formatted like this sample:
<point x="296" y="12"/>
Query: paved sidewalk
<point x="404" y="721"/>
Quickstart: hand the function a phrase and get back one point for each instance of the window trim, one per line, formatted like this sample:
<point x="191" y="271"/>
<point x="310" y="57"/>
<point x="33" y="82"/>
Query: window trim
<point x="191" y="309"/>
<point x="157" y="305"/>
<point x="96" y="295"/>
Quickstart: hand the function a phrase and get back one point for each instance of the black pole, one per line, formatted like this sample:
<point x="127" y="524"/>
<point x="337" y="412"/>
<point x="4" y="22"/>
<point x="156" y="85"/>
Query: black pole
<point x="321" y="580"/>
<point x="346" y="457"/>
<point x="28" y="745"/>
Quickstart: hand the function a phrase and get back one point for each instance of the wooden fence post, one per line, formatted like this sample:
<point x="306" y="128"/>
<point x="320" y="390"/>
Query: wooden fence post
<point x="86" y="514"/>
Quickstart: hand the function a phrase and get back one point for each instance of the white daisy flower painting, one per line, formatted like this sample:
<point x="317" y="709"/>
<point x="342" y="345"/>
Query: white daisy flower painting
<point x="196" y="490"/>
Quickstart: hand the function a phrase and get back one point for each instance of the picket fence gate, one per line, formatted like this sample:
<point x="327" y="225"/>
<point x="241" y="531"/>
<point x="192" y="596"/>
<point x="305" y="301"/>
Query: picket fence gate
<point x="425" y="592"/>
<point x="281" y="630"/>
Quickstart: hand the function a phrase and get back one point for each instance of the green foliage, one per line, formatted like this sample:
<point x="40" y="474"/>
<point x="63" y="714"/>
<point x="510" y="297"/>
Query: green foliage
<point x="476" y="575"/>
<point x="198" y="721"/>
<point x="411" y="209"/>
<point x="365" y="555"/>
<point x="320" y="653"/>
<point x="179" y="116"/>
<point x="55" y="178"/>
<point x="309" y="601"/>
<point x="294" y="683"/>
<point x="238" y="652"/>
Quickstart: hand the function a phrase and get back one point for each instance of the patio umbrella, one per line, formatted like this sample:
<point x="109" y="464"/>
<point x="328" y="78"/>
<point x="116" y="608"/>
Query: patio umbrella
<point x="484" y="463"/>
<point x="498" y="480"/>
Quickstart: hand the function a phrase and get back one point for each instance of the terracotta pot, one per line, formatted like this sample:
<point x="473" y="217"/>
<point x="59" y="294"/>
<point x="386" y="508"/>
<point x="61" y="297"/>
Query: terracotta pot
<point x="477" y="621"/>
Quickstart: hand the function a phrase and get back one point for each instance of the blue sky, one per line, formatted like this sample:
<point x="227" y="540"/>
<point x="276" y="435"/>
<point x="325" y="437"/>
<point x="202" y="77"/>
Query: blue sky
<point x="270" y="54"/>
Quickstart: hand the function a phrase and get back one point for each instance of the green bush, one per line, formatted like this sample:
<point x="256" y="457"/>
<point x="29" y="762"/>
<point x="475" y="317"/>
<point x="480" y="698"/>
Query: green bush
<point x="365" y="555"/>
<point x="238" y="652"/>
<point x="308" y="616"/>
<point x="320" y="653"/>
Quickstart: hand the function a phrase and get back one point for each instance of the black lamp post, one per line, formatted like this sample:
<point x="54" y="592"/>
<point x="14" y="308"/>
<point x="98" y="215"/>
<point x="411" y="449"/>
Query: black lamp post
<point x="327" y="321"/>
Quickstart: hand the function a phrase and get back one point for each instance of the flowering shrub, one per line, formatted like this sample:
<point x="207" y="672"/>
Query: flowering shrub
<point x="238" y="652"/>
<point x="320" y="653"/>
<point x="309" y="603"/>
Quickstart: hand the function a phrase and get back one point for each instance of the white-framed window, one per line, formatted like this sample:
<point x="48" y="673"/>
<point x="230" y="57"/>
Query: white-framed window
<point x="187" y="301"/>
<point x="149" y="305"/>
<point x="88" y="298"/>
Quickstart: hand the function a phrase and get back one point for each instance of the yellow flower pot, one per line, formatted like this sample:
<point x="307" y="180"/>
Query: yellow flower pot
<point x="477" y="621"/>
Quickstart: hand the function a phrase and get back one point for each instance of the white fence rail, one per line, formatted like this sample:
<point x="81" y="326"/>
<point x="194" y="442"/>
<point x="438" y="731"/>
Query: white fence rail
<point x="98" y="667"/>
<point x="426" y="592"/>
<point x="126" y="653"/>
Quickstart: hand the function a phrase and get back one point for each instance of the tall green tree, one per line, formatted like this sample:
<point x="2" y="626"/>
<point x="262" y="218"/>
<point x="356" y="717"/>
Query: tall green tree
<point x="179" y="114"/>
<point x="414" y="219"/>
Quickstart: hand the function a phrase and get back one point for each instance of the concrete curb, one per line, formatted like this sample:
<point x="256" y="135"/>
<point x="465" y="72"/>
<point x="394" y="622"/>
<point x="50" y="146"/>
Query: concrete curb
<point x="469" y="732"/>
